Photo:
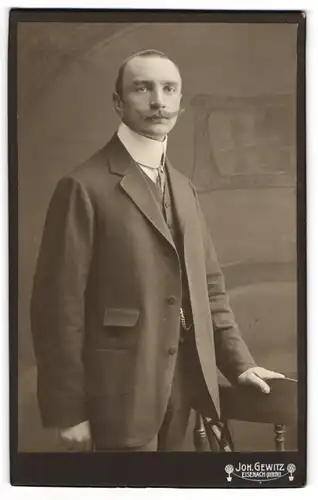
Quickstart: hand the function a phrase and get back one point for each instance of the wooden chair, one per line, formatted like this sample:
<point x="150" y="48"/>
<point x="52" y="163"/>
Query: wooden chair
<point x="245" y="403"/>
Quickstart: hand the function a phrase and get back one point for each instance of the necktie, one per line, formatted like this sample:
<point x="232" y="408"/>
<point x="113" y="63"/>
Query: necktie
<point x="160" y="182"/>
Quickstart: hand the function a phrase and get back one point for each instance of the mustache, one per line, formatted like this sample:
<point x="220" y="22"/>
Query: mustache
<point x="162" y="114"/>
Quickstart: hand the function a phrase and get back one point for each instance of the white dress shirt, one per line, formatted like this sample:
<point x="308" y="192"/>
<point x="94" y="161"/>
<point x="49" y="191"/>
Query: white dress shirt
<point x="145" y="151"/>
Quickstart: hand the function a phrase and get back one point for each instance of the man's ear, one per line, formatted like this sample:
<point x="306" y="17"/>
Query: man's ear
<point x="182" y="109"/>
<point x="117" y="103"/>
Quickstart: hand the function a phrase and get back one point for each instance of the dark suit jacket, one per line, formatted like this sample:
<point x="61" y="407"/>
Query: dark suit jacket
<point x="106" y="299"/>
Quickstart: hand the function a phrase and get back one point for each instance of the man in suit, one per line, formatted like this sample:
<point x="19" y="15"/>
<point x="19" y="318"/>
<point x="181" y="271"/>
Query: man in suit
<point x="129" y="313"/>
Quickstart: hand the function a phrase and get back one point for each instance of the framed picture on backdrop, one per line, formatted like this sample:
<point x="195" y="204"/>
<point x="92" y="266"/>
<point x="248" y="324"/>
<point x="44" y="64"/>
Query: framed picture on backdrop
<point x="157" y="248"/>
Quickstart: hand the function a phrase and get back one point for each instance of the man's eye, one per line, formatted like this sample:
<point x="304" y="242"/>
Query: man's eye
<point x="141" y="90"/>
<point x="170" y="89"/>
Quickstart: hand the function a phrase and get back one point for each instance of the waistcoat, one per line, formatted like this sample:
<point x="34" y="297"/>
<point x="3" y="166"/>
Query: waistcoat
<point x="166" y="205"/>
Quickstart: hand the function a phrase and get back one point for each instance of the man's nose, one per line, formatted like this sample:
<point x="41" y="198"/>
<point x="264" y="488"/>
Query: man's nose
<point x="156" y="100"/>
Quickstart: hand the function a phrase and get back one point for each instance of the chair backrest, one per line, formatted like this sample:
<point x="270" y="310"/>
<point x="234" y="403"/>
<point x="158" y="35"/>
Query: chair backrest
<point x="251" y="405"/>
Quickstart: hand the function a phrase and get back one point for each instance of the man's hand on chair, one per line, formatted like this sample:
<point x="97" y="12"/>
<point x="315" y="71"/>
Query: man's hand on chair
<point x="256" y="376"/>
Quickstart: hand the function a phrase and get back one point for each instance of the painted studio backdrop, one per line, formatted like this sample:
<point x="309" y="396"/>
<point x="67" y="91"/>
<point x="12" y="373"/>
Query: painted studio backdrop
<point x="236" y="140"/>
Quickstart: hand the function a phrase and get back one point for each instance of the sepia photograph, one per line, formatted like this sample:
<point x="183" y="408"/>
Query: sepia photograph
<point x="158" y="183"/>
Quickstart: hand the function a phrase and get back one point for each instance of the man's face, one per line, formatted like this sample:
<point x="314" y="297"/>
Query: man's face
<point x="151" y="95"/>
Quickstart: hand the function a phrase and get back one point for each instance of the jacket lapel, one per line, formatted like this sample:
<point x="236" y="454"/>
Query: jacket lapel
<point x="135" y="186"/>
<point x="179" y="193"/>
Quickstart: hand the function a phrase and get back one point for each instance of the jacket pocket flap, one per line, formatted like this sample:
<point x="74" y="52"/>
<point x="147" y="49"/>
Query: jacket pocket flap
<point x="120" y="317"/>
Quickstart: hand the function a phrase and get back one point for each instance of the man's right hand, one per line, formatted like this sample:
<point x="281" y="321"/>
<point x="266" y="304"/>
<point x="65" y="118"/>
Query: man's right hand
<point x="77" y="438"/>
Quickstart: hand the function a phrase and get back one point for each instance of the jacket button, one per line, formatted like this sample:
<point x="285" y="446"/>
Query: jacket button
<point x="172" y="350"/>
<point x="171" y="300"/>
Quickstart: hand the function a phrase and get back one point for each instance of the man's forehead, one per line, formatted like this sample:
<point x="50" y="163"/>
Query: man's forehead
<point x="151" y="68"/>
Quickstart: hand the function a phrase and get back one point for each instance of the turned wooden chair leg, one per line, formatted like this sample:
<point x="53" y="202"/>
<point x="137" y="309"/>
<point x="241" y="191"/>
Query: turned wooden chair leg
<point x="279" y="430"/>
<point x="209" y="436"/>
<point x="199" y="434"/>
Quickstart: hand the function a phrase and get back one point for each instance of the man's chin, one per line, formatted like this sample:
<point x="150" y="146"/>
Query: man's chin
<point x="157" y="130"/>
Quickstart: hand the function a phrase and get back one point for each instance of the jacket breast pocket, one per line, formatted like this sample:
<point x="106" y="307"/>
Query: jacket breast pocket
<point x="120" y="327"/>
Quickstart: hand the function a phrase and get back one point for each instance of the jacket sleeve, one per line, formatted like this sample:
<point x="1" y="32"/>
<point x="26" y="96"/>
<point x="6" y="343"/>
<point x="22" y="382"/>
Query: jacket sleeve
<point x="232" y="354"/>
<point x="57" y="304"/>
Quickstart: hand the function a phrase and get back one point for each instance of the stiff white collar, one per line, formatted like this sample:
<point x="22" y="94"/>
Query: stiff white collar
<point x="145" y="151"/>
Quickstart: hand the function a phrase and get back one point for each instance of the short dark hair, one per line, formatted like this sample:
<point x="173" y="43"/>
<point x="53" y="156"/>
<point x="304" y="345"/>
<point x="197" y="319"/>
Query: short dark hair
<point x="142" y="53"/>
